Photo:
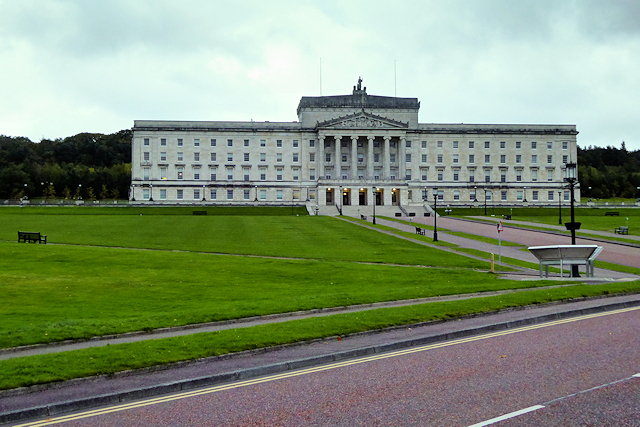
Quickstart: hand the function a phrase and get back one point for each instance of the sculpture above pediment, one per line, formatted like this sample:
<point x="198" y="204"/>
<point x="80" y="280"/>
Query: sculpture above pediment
<point x="362" y="120"/>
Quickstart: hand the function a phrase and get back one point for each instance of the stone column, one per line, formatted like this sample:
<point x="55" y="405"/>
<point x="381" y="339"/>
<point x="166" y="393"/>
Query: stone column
<point x="402" y="150"/>
<point x="320" y="159"/>
<point x="338" y="161"/>
<point x="354" y="157"/>
<point x="370" y="164"/>
<point x="387" y="158"/>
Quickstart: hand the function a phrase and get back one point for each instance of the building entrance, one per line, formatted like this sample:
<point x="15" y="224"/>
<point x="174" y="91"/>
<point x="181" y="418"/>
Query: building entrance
<point x="395" y="197"/>
<point x="362" y="197"/>
<point x="346" y="196"/>
<point x="329" y="196"/>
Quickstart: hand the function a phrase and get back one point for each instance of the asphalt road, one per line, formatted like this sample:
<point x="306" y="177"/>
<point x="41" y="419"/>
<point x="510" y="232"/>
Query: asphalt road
<point x="454" y="383"/>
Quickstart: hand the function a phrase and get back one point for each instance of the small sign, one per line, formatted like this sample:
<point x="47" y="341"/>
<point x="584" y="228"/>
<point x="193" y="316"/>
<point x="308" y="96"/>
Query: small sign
<point x="500" y="227"/>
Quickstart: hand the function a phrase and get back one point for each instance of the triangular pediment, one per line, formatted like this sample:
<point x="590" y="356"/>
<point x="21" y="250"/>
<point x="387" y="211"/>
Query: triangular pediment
<point x="362" y="120"/>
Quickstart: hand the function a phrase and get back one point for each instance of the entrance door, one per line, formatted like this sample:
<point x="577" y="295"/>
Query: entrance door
<point x="395" y="197"/>
<point x="346" y="197"/>
<point x="379" y="198"/>
<point x="362" y="198"/>
<point x="329" y="196"/>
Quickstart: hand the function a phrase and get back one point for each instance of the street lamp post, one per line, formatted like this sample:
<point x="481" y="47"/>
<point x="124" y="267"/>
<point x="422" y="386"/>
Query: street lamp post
<point x="571" y="177"/>
<point x="374" y="194"/>
<point x="475" y="194"/>
<point x="525" y="195"/>
<point x="151" y="192"/>
<point x="341" y="200"/>
<point x="435" y="214"/>
<point x="560" y="207"/>
<point x="485" y="201"/>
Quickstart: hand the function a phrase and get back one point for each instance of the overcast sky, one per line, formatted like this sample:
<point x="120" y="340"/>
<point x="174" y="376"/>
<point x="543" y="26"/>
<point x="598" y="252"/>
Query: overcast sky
<point x="96" y="66"/>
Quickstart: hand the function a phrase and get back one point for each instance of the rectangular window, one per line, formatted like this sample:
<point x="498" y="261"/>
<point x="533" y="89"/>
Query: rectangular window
<point x="471" y="144"/>
<point x="163" y="194"/>
<point x="487" y="158"/>
<point x="263" y="174"/>
<point x="246" y="157"/>
<point x="503" y="145"/>
<point x="344" y="158"/>
<point x="439" y="158"/>
<point x="518" y="145"/>
<point x="263" y="157"/>
<point x="487" y="144"/>
<point x="472" y="195"/>
<point x="456" y="195"/>
<point x="312" y="157"/>
<point x="213" y="142"/>
<point x="549" y="174"/>
<point x="456" y="175"/>
<point x="229" y="174"/>
<point x="312" y="174"/>
<point x="146" y="141"/>
<point x="196" y="157"/>
<point x="247" y="194"/>
<point x="535" y="195"/>
<point x="407" y="175"/>
<point x="519" y="176"/>
<point x="278" y="157"/>
<point x="408" y="144"/>
<point x="279" y="174"/>
<point x="534" y="175"/>
<point x="439" y="144"/>
<point x="263" y="194"/>
<point x="180" y="173"/>
<point x="230" y="157"/>
<point x="503" y="176"/>
<point x="565" y="145"/>
<point x="196" y="142"/>
<point x="472" y="158"/>
<point x="360" y="158"/>
<point x="229" y="142"/>
<point x="440" y="176"/>
<point x="518" y="158"/>
<point x="455" y="144"/>
<point x="343" y="144"/>
<point x="472" y="175"/>
<point x="392" y="158"/>
<point x="180" y="157"/>
<point x="296" y="174"/>
<point x="180" y="142"/>
<point x="550" y="195"/>
<point x="534" y="145"/>
<point x="163" y="156"/>
<point x="146" y="156"/>
<point x="229" y="194"/>
<point x="312" y="143"/>
<point x="213" y="157"/>
<point x="295" y="157"/>
<point x="567" y="195"/>
<point x="487" y="177"/>
<point x="246" y="142"/>
<point x="196" y="194"/>
<point x="408" y="158"/>
<point x="455" y="159"/>
<point x="549" y="145"/>
<point x="519" y="195"/>
<point x="534" y="159"/>
<point x="424" y="144"/>
<point x="295" y="143"/>
<point x="565" y="158"/>
<point x="279" y="143"/>
<point x="245" y="174"/>
<point x="180" y="194"/>
<point x="196" y="173"/>
<point x="145" y="174"/>
<point x="163" y="173"/>
<point x="213" y="194"/>
<point x="424" y="158"/>
<point x="503" y="158"/>
<point x="214" y="174"/>
<point x="424" y="173"/>
<point x="278" y="194"/>
<point x="376" y="158"/>
<point x="549" y="159"/>
<point x="163" y="142"/>
<point x="503" y="195"/>
<point x="327" y="157"/>
<point x="263" y="143"/>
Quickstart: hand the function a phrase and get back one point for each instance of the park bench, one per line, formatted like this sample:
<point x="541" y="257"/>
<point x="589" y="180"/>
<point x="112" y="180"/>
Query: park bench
<point x="566" y="255"/>
<point x="610" y="213"/>
<point x="363" y="217"/>
<point x="199" y="212"/>
<point x="506" y="216"/>
<point x="31" y="237"/>
<point x="420" y="231"/>
<point x="622" y="230"/>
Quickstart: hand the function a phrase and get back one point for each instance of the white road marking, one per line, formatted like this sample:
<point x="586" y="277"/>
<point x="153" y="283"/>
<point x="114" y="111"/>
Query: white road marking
<point x="507" y="416"/>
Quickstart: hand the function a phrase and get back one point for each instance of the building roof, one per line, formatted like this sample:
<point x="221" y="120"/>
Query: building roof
<point x="359" y="99"/>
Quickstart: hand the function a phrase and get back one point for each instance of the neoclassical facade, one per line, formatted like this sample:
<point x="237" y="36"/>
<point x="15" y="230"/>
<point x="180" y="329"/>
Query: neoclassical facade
<point x="347" y="152"/>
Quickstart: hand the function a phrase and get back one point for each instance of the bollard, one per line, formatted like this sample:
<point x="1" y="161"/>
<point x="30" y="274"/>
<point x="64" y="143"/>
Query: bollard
<point x="493" y="270"/>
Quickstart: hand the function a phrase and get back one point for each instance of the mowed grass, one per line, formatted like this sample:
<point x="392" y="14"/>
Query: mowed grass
<point x="27" y="371"/>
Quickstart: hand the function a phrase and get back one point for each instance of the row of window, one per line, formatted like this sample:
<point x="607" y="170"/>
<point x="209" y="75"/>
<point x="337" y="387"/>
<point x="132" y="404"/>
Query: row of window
<point x="520" y="195"/>
<point x="199" y="194"/>
<point x="295" y="143"/>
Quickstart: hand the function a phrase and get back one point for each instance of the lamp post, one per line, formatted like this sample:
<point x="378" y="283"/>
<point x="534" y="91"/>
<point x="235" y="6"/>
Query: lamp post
<point x="475" y="194"/>
<point x="151" y="192"/>
<point x="485" y="201"/>
<point x="435" y="214"/>
<point x="133" y="192"/>
<point x="571" y="176"/>
<point x="374" y="193"/>
<point x="560" y="207"/>
<point x="203" y="193"/>
<point x="341" y="200"/>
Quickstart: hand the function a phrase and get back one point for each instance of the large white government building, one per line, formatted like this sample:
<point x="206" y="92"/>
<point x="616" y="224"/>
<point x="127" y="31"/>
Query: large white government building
<point x="347" y="152"/>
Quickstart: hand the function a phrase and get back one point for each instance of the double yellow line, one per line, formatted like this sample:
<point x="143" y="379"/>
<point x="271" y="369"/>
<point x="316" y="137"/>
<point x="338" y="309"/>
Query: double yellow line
<point x="275" y="377"/>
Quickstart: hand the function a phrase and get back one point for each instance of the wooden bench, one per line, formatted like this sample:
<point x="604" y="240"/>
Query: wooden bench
<point x="363" y="217"/>
<point x="420" y="231"/>
<point x="199" y="212"/>
<point x="506" y="216"/>
<point x="31" y="237"/>
<point x="621" y="230"/>
<point x="612" y="213"/>
<point x="566" y="255"/>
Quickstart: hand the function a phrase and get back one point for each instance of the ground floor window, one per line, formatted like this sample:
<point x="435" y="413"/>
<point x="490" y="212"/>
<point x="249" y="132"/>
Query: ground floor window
<point x="229" y="194"/>
<point x="214" y="194"/>
<point x="163" y="194"/>
<point x="180" y="195"/>
<point x="279" y="195"/>
<point x="196" y="194"/>
<point x="263" y="194"/>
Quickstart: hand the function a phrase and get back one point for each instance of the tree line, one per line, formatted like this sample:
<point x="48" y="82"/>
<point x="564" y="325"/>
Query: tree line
<point x="94" y="166"/>
<point x="85" y="166"/>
